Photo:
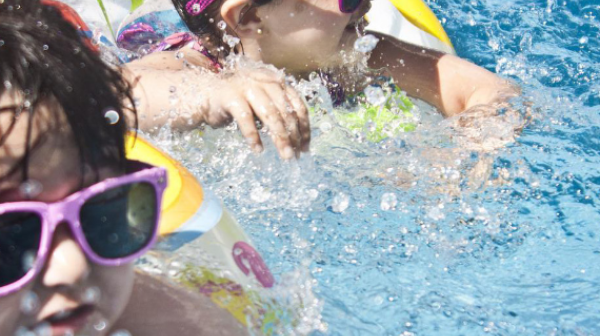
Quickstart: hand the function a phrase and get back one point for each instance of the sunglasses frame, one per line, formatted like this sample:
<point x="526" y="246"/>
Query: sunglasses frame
<point x="341" y="5"/>
<point x="67" y="211"/>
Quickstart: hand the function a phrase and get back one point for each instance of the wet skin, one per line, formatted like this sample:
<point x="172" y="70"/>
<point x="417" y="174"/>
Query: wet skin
<point x="67" y="275"/>
<point x="298" y="35"/>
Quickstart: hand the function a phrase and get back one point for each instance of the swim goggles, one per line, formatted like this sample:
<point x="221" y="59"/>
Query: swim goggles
<point x="195" y="7"/>
<point x="114" y="222"/>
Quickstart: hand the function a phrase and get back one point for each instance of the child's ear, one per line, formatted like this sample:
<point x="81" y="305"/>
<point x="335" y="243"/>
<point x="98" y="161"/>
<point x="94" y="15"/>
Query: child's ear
<point x="241" y="17"/>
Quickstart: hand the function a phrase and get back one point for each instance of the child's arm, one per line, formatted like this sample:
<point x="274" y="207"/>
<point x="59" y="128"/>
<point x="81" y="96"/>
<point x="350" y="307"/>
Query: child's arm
<point x="172" y="93"/>
<point x="157" y="308"/>
<point x="451" y="84"/>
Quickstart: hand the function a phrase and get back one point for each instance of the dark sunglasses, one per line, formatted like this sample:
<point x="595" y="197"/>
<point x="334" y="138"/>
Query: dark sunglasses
<point x="349" y="6"/>
<point x="113" y="221"/>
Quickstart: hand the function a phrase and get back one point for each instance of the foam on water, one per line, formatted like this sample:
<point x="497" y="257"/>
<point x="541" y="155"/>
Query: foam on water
<point x="468" y="225"/>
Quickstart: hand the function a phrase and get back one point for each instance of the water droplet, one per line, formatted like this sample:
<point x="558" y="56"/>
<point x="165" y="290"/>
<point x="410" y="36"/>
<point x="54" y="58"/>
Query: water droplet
<point x="172" y="89"/>
<point x="30" y="303"/>
<point x="211" y="20"/>
<point x="112" y="117"/>
<point x="325" y="127"/>
<point x="583" y="40"/>
<point x="29" y="258"/>
<point x="222" y="25"/>
<point x="30" y="189"/>
<point x="179" y="55"/>
<point x="388" y="201"/>
<point x="121" y="332"/>
<point x="196" y="8"/>
<point x="231" y="41"/>
<point x="91" y="295"/>
<point x="45" y="47"/>
<point x="100" y="325"/>
<point x="365" y="44"/>
<point x="1" y="43"/>
<point x="113" y="238"/>
<point x="43" y="329"/>
<point x="340" y="202"/>
<point x="7" y="85"/>
<point x="375" y="95"/>
<point x="260" y="195"/>
<point x="22" y="331"/>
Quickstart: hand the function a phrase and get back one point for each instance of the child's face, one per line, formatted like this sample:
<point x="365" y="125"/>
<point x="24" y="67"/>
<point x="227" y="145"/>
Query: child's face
<point x="305" y="35"/>
<point x="92" y="297"/>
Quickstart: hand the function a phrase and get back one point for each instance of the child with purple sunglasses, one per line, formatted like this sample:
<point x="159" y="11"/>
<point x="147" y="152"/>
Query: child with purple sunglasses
<point x="74" y="212"/>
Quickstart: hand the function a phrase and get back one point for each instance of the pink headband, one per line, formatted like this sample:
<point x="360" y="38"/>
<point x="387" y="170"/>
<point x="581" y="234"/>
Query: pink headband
<point x="195" y="7"/>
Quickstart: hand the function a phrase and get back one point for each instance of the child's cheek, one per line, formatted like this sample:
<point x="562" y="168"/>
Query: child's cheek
<point x="115" y="284"/>
<point x="10" y="313"/>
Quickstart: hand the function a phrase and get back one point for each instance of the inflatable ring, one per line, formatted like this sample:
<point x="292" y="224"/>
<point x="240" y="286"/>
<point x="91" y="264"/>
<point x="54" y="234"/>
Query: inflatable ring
<point x="409" y="21"/>
<point x="190" y="213"/>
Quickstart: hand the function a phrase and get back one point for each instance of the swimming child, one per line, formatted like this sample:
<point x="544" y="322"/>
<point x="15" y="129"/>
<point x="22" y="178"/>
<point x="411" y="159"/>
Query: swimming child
<point x="74" y="212"/>
<point x="304" y="36"/>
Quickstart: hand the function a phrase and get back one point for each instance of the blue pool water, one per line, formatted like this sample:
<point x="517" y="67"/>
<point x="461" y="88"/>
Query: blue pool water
<point x="439" y="234"/>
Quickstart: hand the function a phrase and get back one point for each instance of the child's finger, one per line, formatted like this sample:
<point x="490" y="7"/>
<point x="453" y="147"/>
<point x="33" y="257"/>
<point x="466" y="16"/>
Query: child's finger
<point x="242" y="113"/>
<point x="267" y="112"/>
<point x="303" y="117"/>
<point x="279" y="98"/>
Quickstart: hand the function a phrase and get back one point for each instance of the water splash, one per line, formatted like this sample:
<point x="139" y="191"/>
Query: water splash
<point x="366" y="43"/>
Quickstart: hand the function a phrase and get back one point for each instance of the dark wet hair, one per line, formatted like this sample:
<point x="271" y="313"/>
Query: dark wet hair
<point x="201" y="24"/>
<point x="44" y="58"/>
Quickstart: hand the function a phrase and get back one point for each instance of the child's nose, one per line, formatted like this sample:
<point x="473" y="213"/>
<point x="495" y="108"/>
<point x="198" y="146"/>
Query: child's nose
<point x="67" y="264"/>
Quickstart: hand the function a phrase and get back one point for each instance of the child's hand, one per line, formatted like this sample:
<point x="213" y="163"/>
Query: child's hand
<point x="187" y="98"/>
<point x="260" y="94"/>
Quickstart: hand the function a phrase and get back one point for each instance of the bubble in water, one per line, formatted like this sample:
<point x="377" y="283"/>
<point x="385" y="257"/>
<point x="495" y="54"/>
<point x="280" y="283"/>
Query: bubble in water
<point x="30" y="189"/>
<point x="121" y="332"/>
<point x="30" y="303"/>
<point x="91" y="295"/>
<point x="365" y="44"/>
<point x="112" y="117"/>
<point x="388" y="201"/>
<point x="340" y="202"/>
<point x="1" y="41"/>
<point x="375" y="95"/>
<point x="179" y="55"/>
<point x="211" y="20"/>
<point x="222" y="25"/>
<point x="231" y="41"/>
<point x="584" y="40"/>
<point x="45" y="47"/>
<point x="7" y="85"/>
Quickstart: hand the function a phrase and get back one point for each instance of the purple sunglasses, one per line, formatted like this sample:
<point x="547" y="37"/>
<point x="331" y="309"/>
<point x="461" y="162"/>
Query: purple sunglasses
<point x="195" y="7"/>
<point x="114" y="222"/>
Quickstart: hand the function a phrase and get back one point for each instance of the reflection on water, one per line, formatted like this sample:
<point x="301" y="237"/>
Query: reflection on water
<point x="469" y="225"/>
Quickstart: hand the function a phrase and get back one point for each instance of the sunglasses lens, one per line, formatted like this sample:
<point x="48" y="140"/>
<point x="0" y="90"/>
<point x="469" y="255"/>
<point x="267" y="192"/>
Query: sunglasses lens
<point x="120" y="221"/>
<point x="349" y="6"/>
<point x="20" y="234"/>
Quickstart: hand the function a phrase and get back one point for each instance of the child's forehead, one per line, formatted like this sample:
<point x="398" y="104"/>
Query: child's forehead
<point x="46" y="131"/>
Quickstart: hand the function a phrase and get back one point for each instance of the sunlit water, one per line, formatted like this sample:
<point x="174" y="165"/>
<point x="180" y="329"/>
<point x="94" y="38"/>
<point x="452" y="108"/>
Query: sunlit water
<point x="442" y="231"/>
